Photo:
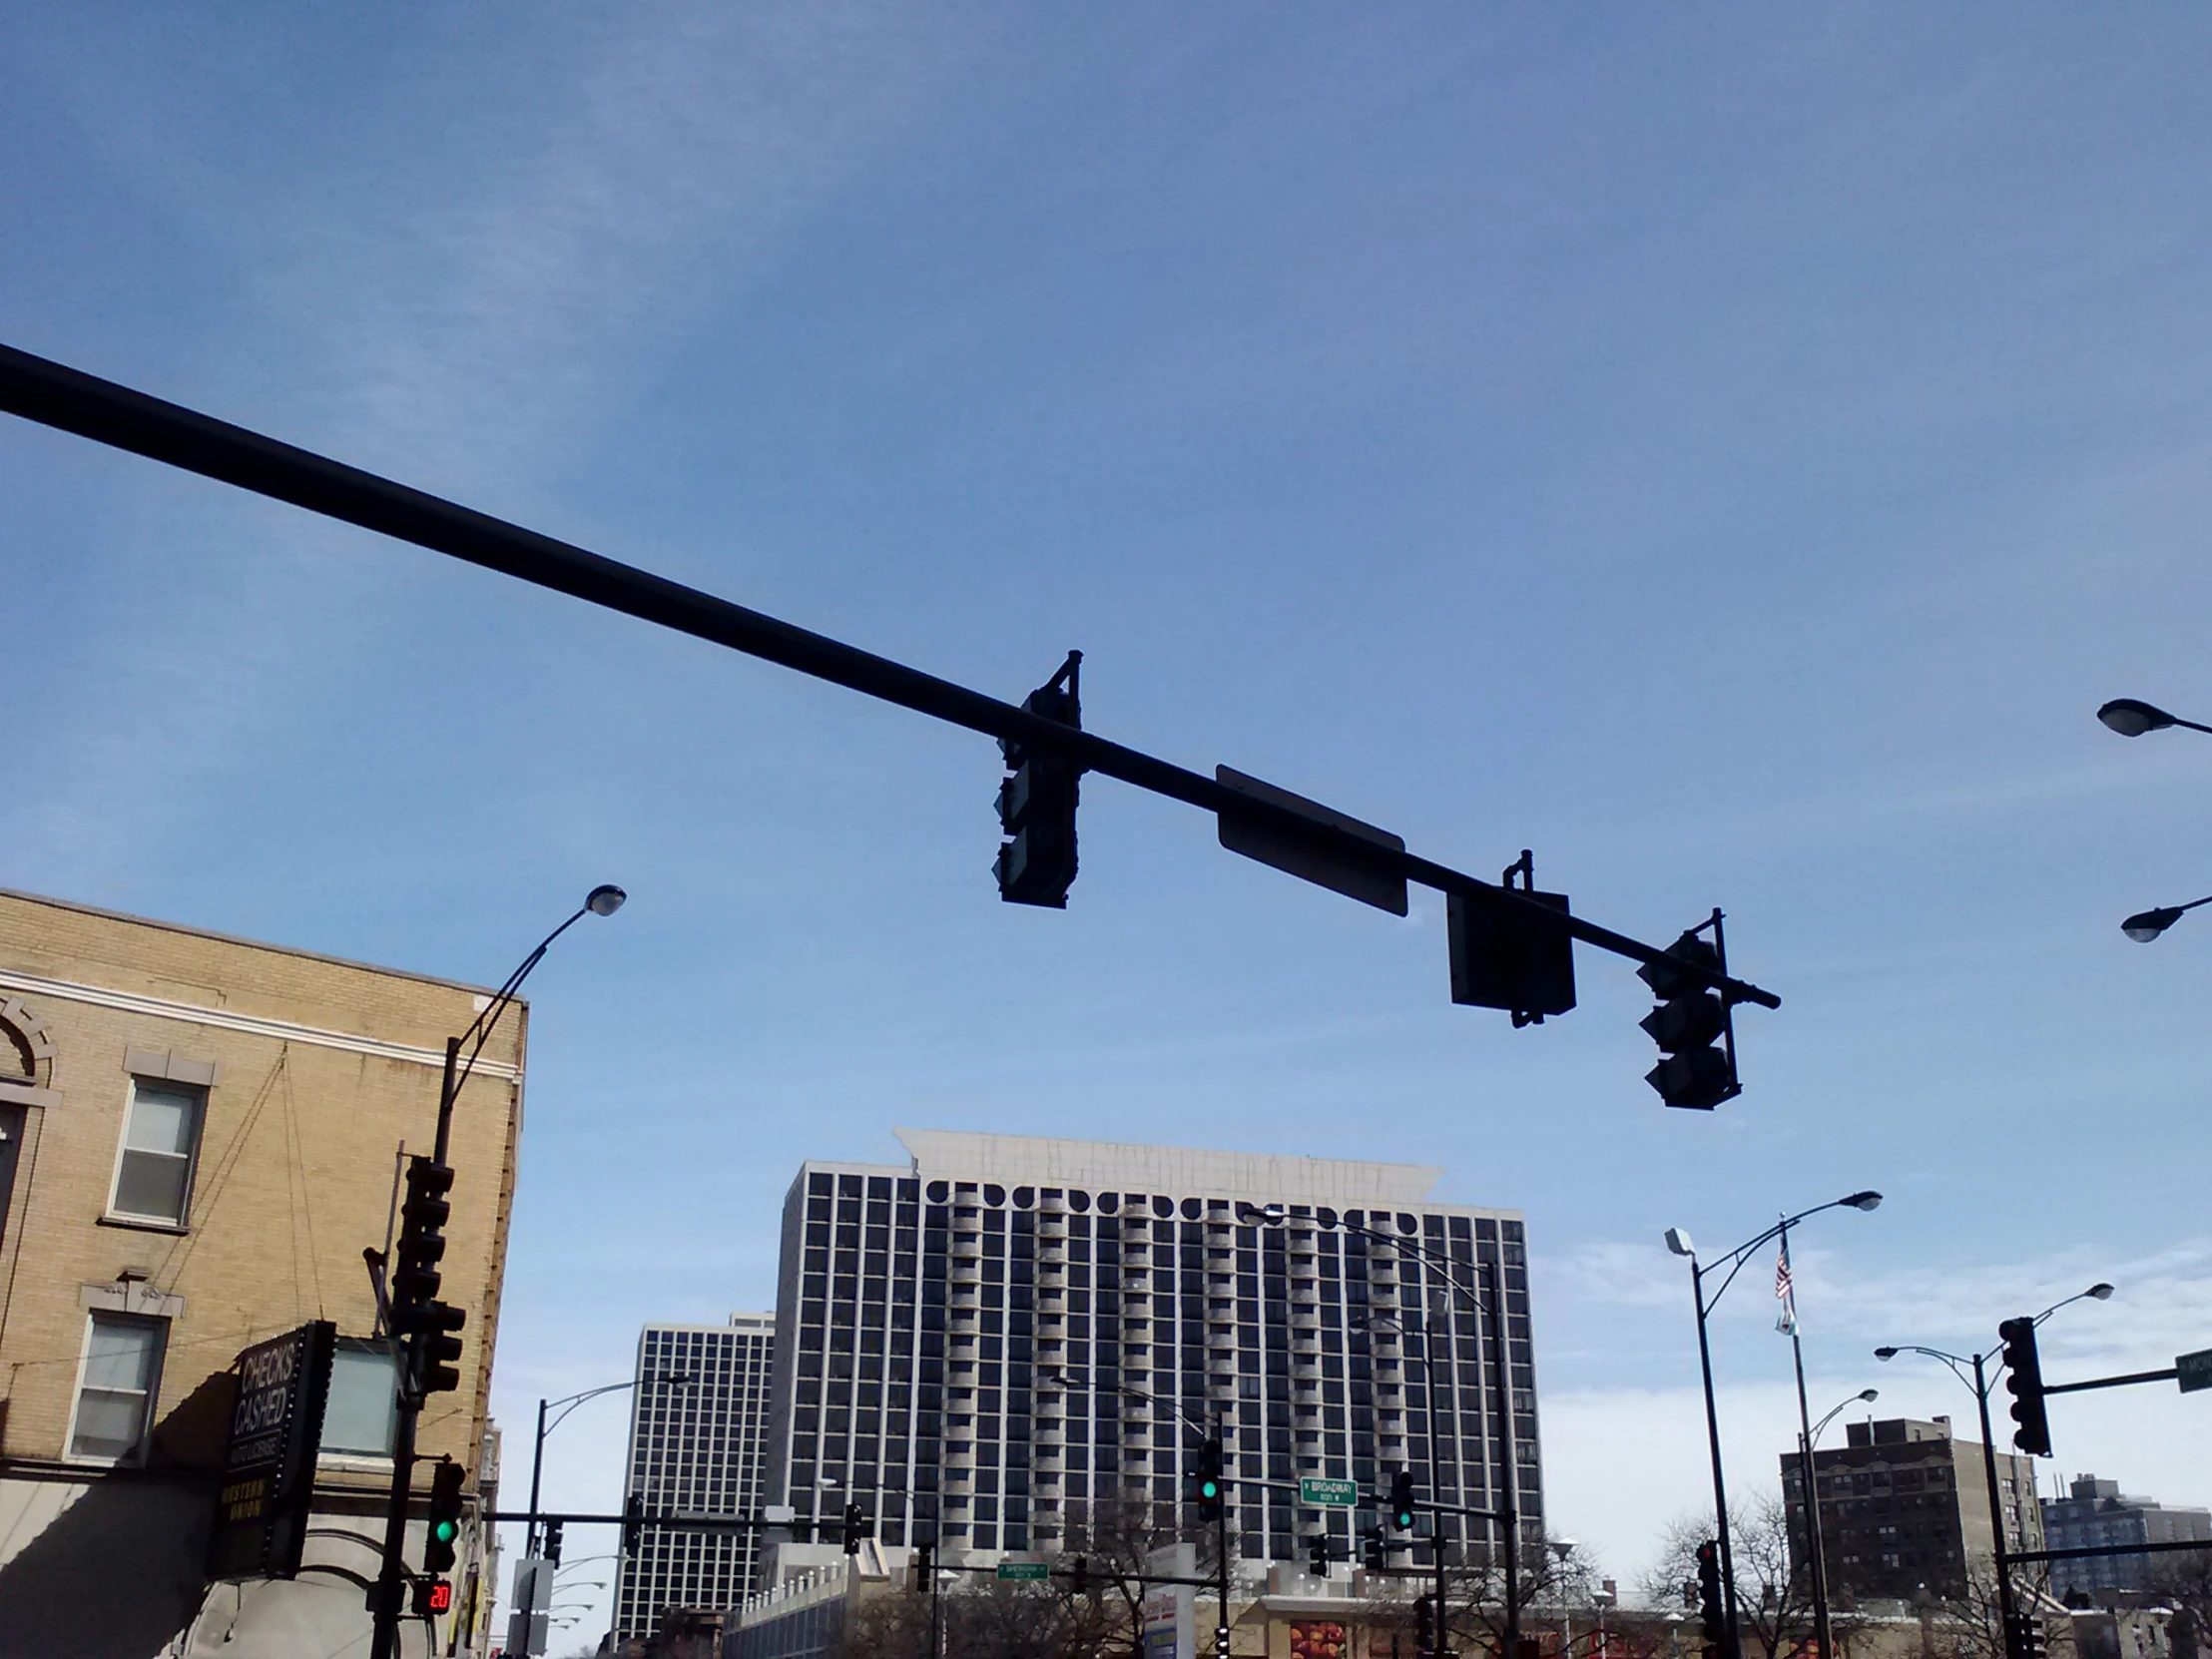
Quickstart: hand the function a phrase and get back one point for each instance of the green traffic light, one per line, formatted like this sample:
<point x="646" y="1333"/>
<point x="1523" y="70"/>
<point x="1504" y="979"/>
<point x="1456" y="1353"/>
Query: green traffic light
<point x="1208" y="1488"/>
<point x="445" y="1531"/>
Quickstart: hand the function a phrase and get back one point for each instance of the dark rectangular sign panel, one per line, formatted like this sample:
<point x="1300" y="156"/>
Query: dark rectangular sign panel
<point x="260" y="1516"/>
<point x="1323" y="860"/>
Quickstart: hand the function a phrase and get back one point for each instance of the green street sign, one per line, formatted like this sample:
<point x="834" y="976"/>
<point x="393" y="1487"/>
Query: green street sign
<point x="1329" y="1494"/>
<point x="1025" y="1572"/>
<point x="2194" y="1371"/>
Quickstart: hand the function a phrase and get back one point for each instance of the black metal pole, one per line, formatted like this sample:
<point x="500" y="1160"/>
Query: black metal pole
<point x="1996" y="1510"/>
<point x="1436" y="1472"/>
<point x="537" y="1466"/>
<point x="1221" y="1518"/>
<point x="391" y="1572"/>
<point x="1733" y="1640"/>
<point x="1510" y="1495"/>
<point x="1822" y="1634"/>
<point x="71" y="400"/>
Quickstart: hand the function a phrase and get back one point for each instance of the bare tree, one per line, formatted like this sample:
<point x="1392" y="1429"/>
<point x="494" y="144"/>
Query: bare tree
<point x="1773" y="1600"/>
<point x="1554" y="1585"/>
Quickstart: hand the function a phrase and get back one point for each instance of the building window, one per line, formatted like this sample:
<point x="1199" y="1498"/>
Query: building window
<point x="153" y="1177"/>
<point x="116" y="1391"/>
<point x="362" y="1413"/>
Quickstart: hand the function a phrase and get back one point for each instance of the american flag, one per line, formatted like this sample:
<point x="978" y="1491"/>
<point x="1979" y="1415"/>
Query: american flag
<point x="1784" y="1292"/>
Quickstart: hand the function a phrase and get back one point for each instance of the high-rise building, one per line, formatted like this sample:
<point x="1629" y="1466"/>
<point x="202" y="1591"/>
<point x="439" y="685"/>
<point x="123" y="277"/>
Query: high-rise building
<point x="2098" y="1512"/>
<point x="983" y="1343"/>
<point x="1903" y="1506"/>
<point x="697" y="1424"/>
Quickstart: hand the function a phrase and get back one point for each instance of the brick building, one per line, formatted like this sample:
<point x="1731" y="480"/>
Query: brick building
<point x="1904" y="1505"/>
<point x="198" y="1138"/>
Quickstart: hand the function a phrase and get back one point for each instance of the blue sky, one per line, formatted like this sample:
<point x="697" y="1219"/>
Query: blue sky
<point x="1731" y="452"/>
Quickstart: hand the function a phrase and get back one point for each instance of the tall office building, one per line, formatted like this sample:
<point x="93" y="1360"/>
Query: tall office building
<point x="981" y="1345"/>
<point x="698" y="1425"/>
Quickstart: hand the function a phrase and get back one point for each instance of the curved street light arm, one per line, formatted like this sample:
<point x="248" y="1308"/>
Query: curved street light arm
<point x="1959" y="1365"/>
<point x="1857" y="1398"/>
<point x="2100" y="1292"/>
<point x="573" y="1400"/>
<point x="1446" y="1267"/>
<point x="1742" y="1253"/>
<point x="1202" y="1429"/>
<point x="482" y="1027"/>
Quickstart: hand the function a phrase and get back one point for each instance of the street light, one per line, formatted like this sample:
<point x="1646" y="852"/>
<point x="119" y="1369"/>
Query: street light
<point x="1220" y="1434"/>
<point x="603" y="900"/>
<point x="2131" y="716"/>
<point x="671" y="1379"/>
<point x="1679" y="1242"/>
<point x="2145" y="926"/>
<point x="1824" y="1634"/>
<point x="1981" y="1383"/>
<point x="1506" y="1519"/>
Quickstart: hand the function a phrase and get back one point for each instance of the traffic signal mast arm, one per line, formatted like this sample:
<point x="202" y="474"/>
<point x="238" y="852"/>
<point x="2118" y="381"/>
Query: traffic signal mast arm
<point x="70" y="401"/>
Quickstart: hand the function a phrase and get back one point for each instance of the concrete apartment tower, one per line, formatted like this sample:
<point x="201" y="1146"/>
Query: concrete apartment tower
<point x="983" y="1345"/>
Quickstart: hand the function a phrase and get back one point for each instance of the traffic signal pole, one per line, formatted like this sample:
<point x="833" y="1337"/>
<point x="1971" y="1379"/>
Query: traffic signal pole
<point x="71" y="400"/>
<point x="2006" y="1610"/>
<point x="384" y="1635"/>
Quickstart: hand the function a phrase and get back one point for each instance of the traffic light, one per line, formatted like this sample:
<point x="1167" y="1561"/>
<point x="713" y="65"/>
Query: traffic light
<point x="1036" y="804"/>
<point x="442" y="1535"/>
<point x="2025" y="1639"/>
<point x="1504" y="956"/>
<point x="1710" y="1610"/>
<point x="1401" y="1500"/>
<point x="856" y="1527"/>
<point x="1424" y="1623"/>
<point x="429" y="1326"/>
<point x="1690" y="1019"/>
<point x="924" y="1559"/>
<point x="2024" y="1378"/>
<point x="632" y="1521"/>
<point x="1317" y="1545"/>
<point x="437" y="1346"/>
<point x="1080" y="1573"/>
<point x="432" y="1596"/>
<point x="414" y="1276"/>
<point x="1371" y="1554"/>
<point x="551" y="1547"/>
<point x="1208" y="1483"/>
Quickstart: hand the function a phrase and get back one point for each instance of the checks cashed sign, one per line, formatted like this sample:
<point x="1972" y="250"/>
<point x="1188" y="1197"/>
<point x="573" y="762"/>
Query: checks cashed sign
<point x="260" y="1515"/>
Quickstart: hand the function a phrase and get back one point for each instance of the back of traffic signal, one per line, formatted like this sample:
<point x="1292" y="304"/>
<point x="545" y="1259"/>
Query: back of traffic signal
<point x="1712" y="1609"/>
<point x="431" y="1328"/>
<point x="1511" y="947"/>
<point x="2023" y="1380"/>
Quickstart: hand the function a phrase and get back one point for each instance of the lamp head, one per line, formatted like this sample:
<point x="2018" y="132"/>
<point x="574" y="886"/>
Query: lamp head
<point x="604" y="900"/>
<point x="1865" y="1201"/>
<point x="1884" y="1353"/>
<point x="2131" y="716"/>
<point x="1263" y="1214"/>
<point x="1870" y="1393"/>
<point x="1679" y="1242"/>
<point x="2100" y="1292"/>
<point x="2145" y="926"/>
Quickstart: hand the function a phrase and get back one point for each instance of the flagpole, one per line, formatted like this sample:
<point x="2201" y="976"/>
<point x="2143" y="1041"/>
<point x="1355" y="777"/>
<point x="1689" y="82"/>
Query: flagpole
<point x="1786" y="1287"/>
